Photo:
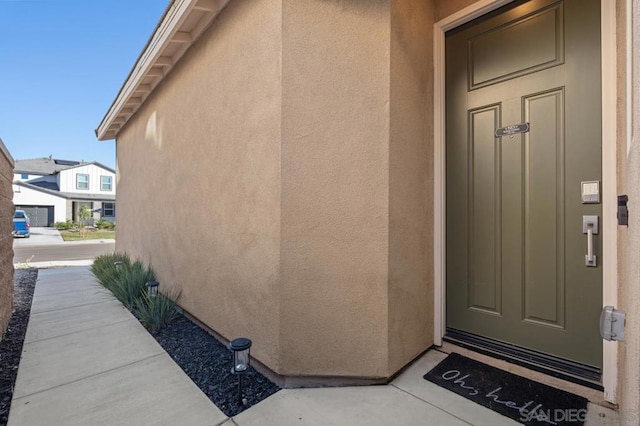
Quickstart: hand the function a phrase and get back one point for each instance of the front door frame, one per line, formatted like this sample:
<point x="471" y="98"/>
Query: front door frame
<point x="609" y="172"/>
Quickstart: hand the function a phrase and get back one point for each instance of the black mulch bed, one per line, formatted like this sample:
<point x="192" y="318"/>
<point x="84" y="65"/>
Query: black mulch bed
<point x="24" y="281"/>
<point x="208" y="363"/>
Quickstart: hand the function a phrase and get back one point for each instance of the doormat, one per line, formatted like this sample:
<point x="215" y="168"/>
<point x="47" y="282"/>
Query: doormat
<point x="521" y="399"/>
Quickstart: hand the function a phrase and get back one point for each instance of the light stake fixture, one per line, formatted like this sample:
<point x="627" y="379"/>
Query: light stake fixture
<point x="153" y="288"/>
<point x="118" y="264"/>
<point x="241" y="349"/>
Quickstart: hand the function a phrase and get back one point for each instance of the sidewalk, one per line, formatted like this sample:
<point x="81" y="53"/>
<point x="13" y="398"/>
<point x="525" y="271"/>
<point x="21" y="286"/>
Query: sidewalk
<point x="87" y="361"/>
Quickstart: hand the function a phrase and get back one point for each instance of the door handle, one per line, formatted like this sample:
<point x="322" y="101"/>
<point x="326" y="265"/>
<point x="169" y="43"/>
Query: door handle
<point x="590" y="259"/>
<point x="590" y="227"/>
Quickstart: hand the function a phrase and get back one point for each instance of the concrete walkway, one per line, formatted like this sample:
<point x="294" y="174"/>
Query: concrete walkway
<point x="87" y="361"/>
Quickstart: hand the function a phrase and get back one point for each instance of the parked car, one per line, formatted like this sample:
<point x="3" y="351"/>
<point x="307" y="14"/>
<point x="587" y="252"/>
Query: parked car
<point x="21" y="224"/>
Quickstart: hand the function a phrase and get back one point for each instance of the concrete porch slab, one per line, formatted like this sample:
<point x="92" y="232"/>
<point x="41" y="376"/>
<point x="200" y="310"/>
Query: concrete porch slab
<point x="412" y="381"/>
<point x="369" y="405"/>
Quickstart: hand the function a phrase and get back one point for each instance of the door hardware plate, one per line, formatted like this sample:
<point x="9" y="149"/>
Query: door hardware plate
<point x="590" y="191"/>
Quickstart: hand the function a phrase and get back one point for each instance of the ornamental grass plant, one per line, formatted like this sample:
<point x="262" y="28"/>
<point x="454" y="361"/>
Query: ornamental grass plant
<point x="105" y="267"/>
<point x="155" y="312"/>
<point x="127" y="282"/>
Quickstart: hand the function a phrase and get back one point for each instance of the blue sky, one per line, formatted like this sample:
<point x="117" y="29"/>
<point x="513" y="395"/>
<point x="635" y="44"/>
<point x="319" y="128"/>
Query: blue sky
<point x="62" y="63"/>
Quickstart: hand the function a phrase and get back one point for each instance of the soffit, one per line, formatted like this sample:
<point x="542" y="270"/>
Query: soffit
<point x="182" y="24"/>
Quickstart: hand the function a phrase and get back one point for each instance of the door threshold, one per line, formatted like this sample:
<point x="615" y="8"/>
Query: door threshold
<point x="593" y="395"/>
<point x="565" y="370"/>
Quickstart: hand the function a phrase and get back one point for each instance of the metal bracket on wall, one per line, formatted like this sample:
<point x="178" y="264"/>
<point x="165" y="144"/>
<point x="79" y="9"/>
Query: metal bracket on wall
<point x="612" y="323"/>
<point x="623" y="212"/>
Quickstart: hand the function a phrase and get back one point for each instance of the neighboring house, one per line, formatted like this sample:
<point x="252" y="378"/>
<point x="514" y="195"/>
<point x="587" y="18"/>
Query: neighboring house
<point x="295" y="186"/>
<point x="52" y="190"/>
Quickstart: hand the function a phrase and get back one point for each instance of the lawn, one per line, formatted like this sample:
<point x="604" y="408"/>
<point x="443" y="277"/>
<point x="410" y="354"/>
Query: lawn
<point x="89" y="235"/>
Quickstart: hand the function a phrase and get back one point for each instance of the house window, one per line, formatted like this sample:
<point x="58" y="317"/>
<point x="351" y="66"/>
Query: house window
<point x="108" y="209"/>
<point x="82" y="181"/>
<point x="105" y="183"/>
<point x="24" y="176"/>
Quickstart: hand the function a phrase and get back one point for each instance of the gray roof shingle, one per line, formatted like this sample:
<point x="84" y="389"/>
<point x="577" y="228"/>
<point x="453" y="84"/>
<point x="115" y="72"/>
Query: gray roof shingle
<point x="42" y="166"/>
<point x="46" y="185"/>
<point x="49" y="166"/>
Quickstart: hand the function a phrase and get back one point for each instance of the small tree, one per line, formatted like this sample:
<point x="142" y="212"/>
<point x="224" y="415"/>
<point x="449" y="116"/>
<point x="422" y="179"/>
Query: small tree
<point x="85" y="214"/>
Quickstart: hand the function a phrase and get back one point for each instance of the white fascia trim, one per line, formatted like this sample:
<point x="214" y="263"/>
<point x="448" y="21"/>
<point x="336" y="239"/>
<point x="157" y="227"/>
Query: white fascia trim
<point x="167" y="31"/>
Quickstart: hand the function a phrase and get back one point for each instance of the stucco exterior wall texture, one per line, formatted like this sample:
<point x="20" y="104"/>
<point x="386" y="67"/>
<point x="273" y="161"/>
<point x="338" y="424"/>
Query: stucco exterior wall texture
<point x="335" y="183"/>
<point x="199" y="178"/>
<point x="6" y="240"/>
<point x="445" y="8"/>
<point x="280" y="177"/>
<point x="411" y="162"/>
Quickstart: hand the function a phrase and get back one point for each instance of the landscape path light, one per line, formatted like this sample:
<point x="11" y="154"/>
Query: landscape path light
<point x="241" y="349"/>
<point x="118" y="264"/>
<point x="153" y="288"/>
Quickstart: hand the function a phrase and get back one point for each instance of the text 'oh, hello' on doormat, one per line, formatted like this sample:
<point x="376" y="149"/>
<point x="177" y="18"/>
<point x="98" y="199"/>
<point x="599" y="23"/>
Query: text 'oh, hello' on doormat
<point x="525" y="401"/>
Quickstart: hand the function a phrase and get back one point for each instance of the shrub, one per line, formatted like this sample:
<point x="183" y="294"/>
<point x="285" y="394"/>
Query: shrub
<point x="64" y="226"/>
<point x="104" y="224"/>
<point x="156" y="312"/>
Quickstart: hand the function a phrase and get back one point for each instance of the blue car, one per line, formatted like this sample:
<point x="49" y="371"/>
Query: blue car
<point x="21" y="224"/>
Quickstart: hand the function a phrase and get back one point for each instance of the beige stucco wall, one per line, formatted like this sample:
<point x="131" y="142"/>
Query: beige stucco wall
<point x="6" y="240"/>
<point x="335" y="183"/>
<point x="199" y="177"/>
<point x="445" y="8"/>
<point x="410" y="182"/>
<point x="281" y="178"/>
<point x="629" y="237"/>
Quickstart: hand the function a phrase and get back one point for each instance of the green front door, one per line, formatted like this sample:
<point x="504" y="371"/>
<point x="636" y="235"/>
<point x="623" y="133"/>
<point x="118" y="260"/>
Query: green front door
<point x="516" y="271"/>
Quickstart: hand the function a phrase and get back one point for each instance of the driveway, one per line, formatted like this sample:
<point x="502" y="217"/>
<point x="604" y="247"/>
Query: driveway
<point x="46" y="248"/>
<point x="39" y="237"/>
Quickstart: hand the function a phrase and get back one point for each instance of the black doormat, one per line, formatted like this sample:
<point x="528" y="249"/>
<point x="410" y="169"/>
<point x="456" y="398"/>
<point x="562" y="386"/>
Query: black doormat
<point x="523" y="400"/>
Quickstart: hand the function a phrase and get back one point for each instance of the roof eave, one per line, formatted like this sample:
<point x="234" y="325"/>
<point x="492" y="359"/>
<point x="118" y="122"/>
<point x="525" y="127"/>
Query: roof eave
<point x="182" y="24"/>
